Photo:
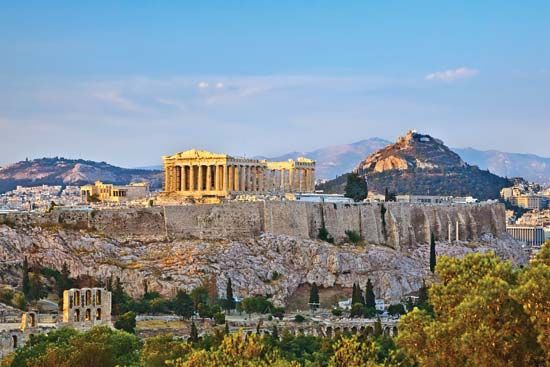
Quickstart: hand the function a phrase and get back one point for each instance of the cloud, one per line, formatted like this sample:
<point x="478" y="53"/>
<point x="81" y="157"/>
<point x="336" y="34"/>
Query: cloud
<point x="202" y="85"/>
<point x="115" y="98"/>
<point x="452" y="75"/>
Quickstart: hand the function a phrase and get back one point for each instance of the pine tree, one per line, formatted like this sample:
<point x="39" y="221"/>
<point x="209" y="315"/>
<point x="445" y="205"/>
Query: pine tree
<point x="194" y="336"/>
<point x="230" y="300"/>
<point x="314" y="296"/>
<point x="64" y="280"/>
<point x="423" y="295"/>
<point x="183" y="304"/>
<point x="357" y="295"/>
<point x="432" y="253"/>
<point x="356" y="187"/>
<point x="26" y="278"/>
<point x="369" y="295"/>
<point x="378" y="327"/>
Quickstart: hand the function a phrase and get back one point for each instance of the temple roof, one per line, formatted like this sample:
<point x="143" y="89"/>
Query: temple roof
<point x="196" y="153"/>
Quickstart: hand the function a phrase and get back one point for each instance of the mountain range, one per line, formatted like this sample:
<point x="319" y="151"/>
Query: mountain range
<point x="62" y="171"/>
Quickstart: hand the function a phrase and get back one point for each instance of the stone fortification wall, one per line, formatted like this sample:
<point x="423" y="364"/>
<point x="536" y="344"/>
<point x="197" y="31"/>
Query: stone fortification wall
<point x="392" y="224"/>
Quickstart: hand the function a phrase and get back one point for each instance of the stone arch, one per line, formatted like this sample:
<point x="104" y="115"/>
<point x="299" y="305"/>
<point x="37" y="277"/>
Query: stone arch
<point x="354" y="330"/>
<point x="14" y="341"/>
<point x="32" y="319"/>
<point x="88" y="315"/>
<point x="387" y="331"/>
<point x="77" y="298"/>
<point x="98" y="314"/>
<point x="394" y="331"/>
<point x="328" y="332"/>
<point x="369" y="330"/>
<point x="98" y="296"/>
<point x="88" y="297"/>
<point x="77" y="315"/>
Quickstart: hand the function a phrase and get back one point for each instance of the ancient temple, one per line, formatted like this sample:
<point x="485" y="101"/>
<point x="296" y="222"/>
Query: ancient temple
<point x="201" y="174"/>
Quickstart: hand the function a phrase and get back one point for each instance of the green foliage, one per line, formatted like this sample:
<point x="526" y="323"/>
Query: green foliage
<point x="325" y="236"/>
<point x="13" y="298"/>
<point x="314" y="296"/>
<point x="275" y="275"/>
<point x="370" y="299"/>
<point x="353" y="237"/>
<point x="432" y="253"/>
<point x="229" y="299"/>
<point x="194" y="334"/>
<point x="183" y="304"/>
<point x="126" y="322"/>
<point x="357" y="295"/>
<point x="397" y="309"/>
<point x="357" y="310"/>
<point x="158" y="350"/>
<point x="479" y="318"/>
<point x="299" y="318"/>
<point x="356" y="187"/>
<point x="256" y="304"/>
<point x="101" y="346"/>
<point x="219" y="318"/>
<point x="337" y="312"/>
<point x="26" y="278"/>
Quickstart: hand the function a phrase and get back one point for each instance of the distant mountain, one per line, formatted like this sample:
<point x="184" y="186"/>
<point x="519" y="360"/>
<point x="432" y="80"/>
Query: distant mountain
<point x="529" y="166"/>
<point x="337" y="159"/>
<point x="61" y="171"/>
<point x="422" y="165"/>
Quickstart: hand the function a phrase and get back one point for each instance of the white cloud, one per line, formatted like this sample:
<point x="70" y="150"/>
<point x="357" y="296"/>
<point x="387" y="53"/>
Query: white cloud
<point x="202" y="85"/>
<point x="452" y="75"/>
<point x="219" y="85"/>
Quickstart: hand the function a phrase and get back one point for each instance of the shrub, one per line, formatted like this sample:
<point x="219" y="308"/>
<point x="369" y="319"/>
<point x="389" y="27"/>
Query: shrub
<point x="337" y="311"/>
<point x="299" y="318"/>
<point x="325" y="236"/>
<point x="353" y="236"/>
<point x="219" y="318"/>
<point x="397" y="309"/>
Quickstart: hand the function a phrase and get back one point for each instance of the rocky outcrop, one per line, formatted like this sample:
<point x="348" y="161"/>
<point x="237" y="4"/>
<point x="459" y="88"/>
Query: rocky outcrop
<point x="169" y="264"/>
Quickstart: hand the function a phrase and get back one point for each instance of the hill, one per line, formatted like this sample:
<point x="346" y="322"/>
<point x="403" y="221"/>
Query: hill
<point x="62" y="171"/>
<point x="422" y="165"/>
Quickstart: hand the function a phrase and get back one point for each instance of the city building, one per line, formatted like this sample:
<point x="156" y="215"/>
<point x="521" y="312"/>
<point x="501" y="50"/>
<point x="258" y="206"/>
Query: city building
<point x="201" y="175"/>
<point x="530" y="235"/>
<point x="113" y="193"/>
<point x="531" y="202"/>
<point x="322" y="198"/>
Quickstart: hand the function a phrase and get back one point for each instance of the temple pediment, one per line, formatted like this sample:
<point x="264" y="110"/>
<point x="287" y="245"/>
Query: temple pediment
<point x="196" y="153"/>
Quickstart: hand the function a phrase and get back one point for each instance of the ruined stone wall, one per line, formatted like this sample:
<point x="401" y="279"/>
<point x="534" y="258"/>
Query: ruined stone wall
<point x="393" y="224"/>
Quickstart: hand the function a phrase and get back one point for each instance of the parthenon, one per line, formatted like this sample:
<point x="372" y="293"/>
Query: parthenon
<point x="202" y="174"/>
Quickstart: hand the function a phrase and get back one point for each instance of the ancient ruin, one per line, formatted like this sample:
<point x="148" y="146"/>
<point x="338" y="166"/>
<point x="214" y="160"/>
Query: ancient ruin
<point x="82" y="309"/>
<point x="199" y="174"/>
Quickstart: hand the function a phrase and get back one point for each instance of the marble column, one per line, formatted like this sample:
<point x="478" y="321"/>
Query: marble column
<point x="183" y="177"/>
<point x="243" y="178"/>
<point x="237" y="181"/>
<point x="230" y="178"/>
<point x="192" y="178"/>
<point x="208" y="186"/>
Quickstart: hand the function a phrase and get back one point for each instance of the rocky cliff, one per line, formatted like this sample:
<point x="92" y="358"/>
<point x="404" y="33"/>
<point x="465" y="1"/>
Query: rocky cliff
<point x="185" y="246"/>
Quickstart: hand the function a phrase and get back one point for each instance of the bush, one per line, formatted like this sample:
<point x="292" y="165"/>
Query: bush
<point x="353" y="236"/>
<point x="299" y="318"/>
<point x="337" y="312"/>
<point x="127" y="322"/>
<point x="397" y="309"/>
<point x="219" y="318"/>
<point x="275" y="275"/>
<point x="325" y="236"/>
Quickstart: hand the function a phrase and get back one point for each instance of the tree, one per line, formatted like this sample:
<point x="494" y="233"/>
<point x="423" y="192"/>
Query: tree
<point x="357" y="295"/>
<point x="199" y="296"/>
<point x="314" y="297"/>
<point x="356" y="187"/>
<point x="229" y="299"/>
<point x="26" y="279"/>
<point x="159" y="349"/>
<point x="65" y="281"/>
<point x="194" y="334"/>
<point x="378" y="327"/>
<point x="432" y="252"/>
<point x="423" y="296"/>
<point x="127" y="322"/>
<point x="477" y="321"/>
<point x="324" y="235"/>
<point x="183" y="304"/>
<point x="370" y="298"/>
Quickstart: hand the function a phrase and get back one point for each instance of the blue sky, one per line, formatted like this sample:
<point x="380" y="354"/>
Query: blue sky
<point x="128" y="81"/>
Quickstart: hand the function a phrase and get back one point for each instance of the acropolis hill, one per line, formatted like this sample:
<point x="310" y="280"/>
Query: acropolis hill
<point x="182" y="246"/>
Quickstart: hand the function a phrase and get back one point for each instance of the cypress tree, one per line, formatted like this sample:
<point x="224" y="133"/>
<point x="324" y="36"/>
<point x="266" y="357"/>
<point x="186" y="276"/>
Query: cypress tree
<point x="432" y="253"/>
<point x="230" y="300"/>
<point x="314" y="296"/>
<point x="356" y="187"/>
<point x="64" y="280"/>
<point x="26" y="279"/>
<point x="378" y="327"/>
<point x="423" y="295"/>
<point x="369" y="295"/>
<point x="194" y="336"/>
<point x="226" y="330"/>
